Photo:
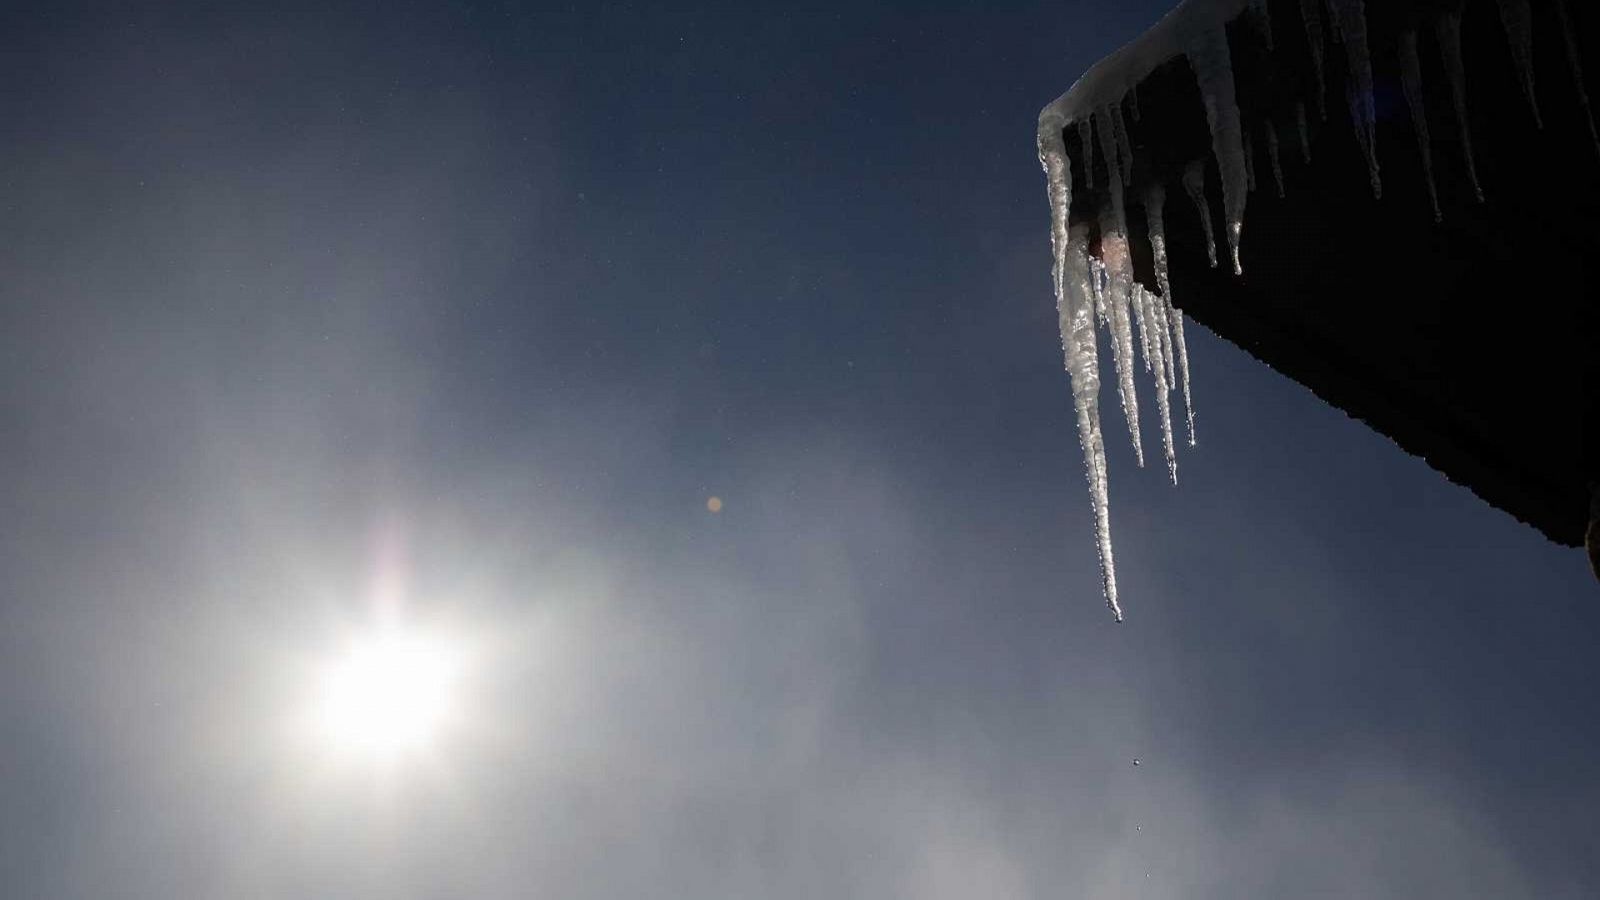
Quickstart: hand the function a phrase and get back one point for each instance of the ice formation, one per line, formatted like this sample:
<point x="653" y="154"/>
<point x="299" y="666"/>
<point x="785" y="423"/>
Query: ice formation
<point x="1263" y="21"/>
<point x="1153" y="336"/>
<point x="1208" y="54"/>
<point x="1304" y="130"/>
<point x="1194" y="184"/>
<point x="1311" y="14"/>
<point x="1118" y="293"/>
<point x="1448" y="30"/>
<point x="1350" y="24"/>
<point x="1086" y="140"/>
<point x="1155" y="198"/>
<point x="1119" y="128"/>
<point x="1518" y="19"/>
<point x="1249" y="162"/>
<point x="1118" y="260"/>
<point x="1075" y="310"/>
<point x="1575" y="63"/>
<point x="1411" y="85"/>
<point x="1097" y="284"/>
<point x="1272" y="157"/>
<point x="1093" y="272"/>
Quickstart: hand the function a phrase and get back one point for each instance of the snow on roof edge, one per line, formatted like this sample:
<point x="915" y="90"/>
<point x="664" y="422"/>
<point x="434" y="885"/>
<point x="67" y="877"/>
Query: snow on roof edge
<point x="1108" y="80"/>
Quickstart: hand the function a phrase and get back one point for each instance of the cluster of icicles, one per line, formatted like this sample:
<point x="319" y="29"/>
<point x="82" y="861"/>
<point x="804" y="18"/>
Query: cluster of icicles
<point x="1091" y="290"/>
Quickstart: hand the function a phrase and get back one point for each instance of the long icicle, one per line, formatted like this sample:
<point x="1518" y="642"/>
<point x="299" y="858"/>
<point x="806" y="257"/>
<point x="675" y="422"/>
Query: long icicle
<point x="1147" y="350"/>
<point x="1350" y="17"/>
<point x="1075" y="311"/>
<point x="1155" y="199"/>
<point x="1575" y="62"/>
<point x="1213" y="70"/>
<point x="1097" y="286"/>
<point x="1163" y="326"/>
<point x="1249" y="160"/>
<point x="1119" y="128"/>
<point x="1304" y="130"/>
<point x="1194" y="184"/>
<point x="1518" y="20"/>
<point x="1183" y="365"/>
<point x="1263" y="21"/>
<point x="1152" y="334"/>
<point x="1119" y="285"/>
<point x="1448" y="29"/>
<point x="1272" y="156"/>
<point x="1084" y="366"/>
<point x="1411" y="84"/>
<point x="1086" y="138"/>
<point x="1311" y="14"/>
<point x="1162" y="309"/>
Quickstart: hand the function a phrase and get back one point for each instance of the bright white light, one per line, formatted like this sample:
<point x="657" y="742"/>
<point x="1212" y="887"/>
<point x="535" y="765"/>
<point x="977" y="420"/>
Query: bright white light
<point x="388" y="695"/>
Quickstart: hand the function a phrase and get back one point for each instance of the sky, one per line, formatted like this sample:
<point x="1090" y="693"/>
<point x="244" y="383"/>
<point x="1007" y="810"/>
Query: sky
<point x="459" y="314"/>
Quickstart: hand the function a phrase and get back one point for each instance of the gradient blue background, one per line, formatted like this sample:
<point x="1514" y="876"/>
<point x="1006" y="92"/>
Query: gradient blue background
<point x="526" y="285"/>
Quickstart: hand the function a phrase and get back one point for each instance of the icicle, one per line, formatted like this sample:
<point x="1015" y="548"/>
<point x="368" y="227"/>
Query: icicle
<point x="1311" y="13"/>
<point x="1213" y="70"/>
<point x="1272" y="156"/>
<point x="1194" y="182"/>
<point x="1083" y="365"/>
<point x="1119" y="285"/>
<point x="1155" y="314"/>
<point x="1119" y="288"/>
<point x="1305" y="132"/>
<point x="1097" y="287"/>
<point x="1162" y="322"/>
<point x="1575" y="61"/>
<point x="1350" y="17"/>
<point x="1136" y="301"/>
<point x="1411" y="84"/>
<point x="1263" y="18"/>
<point x="1074" y="310"/>
<point x="1133" y="101"/>
<point x="1151" y="334"/>
<point x="1119" y="128"/>
<point x="1058" y="190"/>
<point x="1518" y="19"/>
<point x="1448" y="30"/>
<point x="1086" y="137"/>
<point x="1155" y="196"/>
<point x="1183" y="365"/>
<point x="1171" y="318"/>
<point x="1163" y="328"/>
<point x="1110" y="148"/>
<point x="1250" y="161"/>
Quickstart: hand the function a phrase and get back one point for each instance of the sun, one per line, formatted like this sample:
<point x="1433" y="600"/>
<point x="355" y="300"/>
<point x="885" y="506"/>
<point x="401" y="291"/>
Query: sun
<point x="388" y="694"/>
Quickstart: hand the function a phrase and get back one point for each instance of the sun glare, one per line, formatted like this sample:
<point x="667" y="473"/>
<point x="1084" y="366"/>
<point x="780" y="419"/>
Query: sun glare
<point x="388" y="695"/>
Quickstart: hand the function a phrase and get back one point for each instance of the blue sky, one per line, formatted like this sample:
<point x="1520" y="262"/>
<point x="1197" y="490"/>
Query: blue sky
<point x="498" y="295"/>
